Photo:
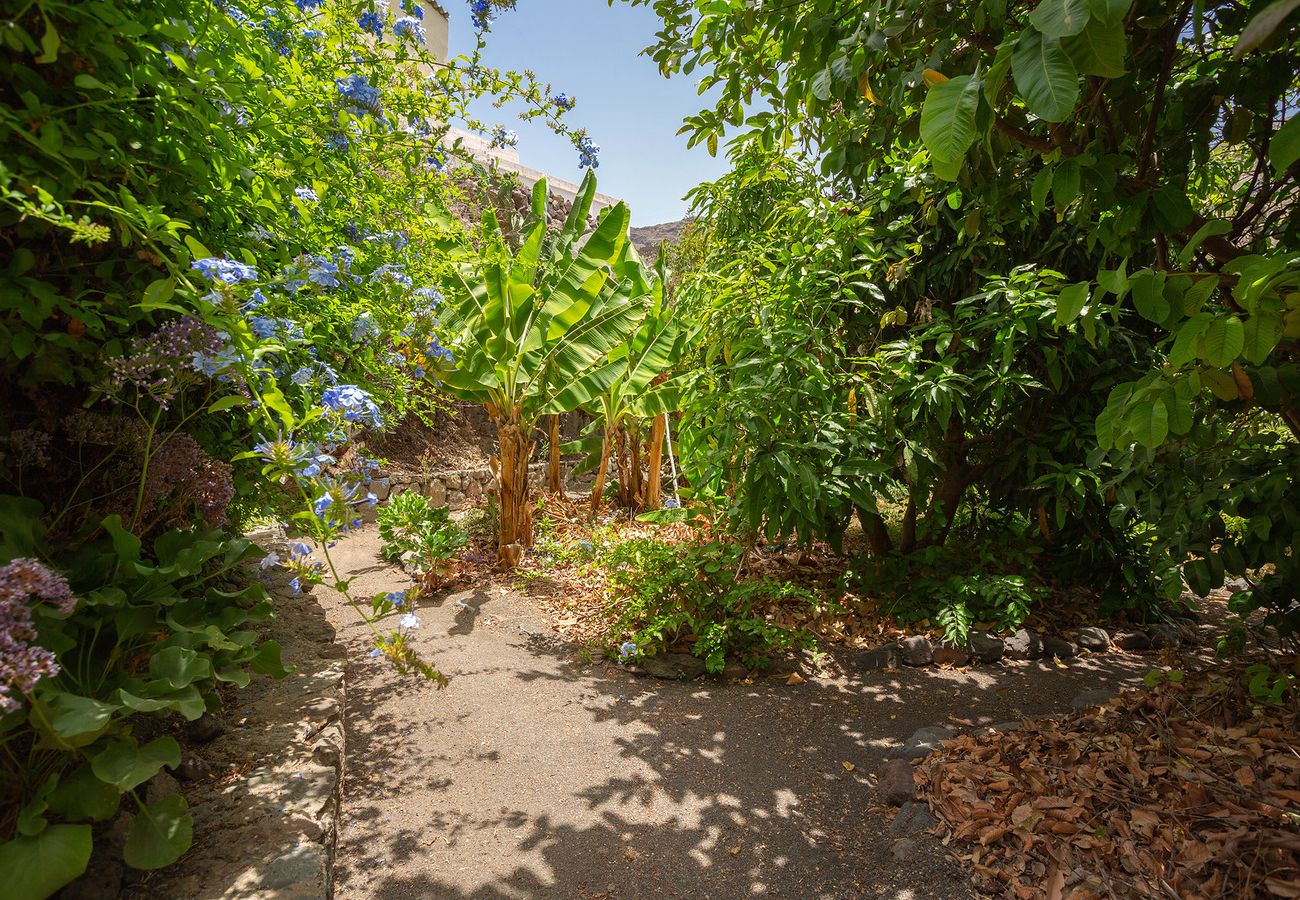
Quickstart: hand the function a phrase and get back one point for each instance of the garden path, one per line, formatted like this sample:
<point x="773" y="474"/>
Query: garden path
<point x="537" y="775"/>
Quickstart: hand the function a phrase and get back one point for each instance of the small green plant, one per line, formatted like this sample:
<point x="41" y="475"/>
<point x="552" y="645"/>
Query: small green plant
<point x="669" y="594"/>
<point x="411" y="527"/>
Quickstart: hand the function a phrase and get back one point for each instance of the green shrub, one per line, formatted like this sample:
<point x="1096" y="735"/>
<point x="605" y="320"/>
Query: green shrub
<point x="665" y="594"/>
<point x="411" y="524"/>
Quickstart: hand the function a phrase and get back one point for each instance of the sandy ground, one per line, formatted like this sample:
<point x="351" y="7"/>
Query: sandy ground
<point x="536" y="774"/>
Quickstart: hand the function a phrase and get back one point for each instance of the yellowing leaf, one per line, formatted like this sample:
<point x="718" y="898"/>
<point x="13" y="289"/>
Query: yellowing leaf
<point x="933" y="77"/>
<point x="848" y="766"/>
<point x="795" y="678"/>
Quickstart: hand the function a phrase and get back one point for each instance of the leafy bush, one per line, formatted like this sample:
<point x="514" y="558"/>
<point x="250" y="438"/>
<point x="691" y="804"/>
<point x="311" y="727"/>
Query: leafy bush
<point x="411" y="524"/>
<point x="667" y="594"/>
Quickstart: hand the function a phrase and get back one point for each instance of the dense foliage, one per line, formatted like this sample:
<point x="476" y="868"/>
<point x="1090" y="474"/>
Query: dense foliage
<point x="1029" y="259"/>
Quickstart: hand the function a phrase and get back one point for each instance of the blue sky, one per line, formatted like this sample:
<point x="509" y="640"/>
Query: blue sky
<point x="591" y="52"/>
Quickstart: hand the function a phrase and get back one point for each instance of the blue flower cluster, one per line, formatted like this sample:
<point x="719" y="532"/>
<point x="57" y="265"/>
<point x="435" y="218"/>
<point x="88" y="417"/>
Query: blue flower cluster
<point x="363" y="328"/>
<point x="224" y="269"/>
<point x="359" y="95"/>
<point x="372" y="22"/>
<point x="563" y="101"/>
<point x="306" y="5"/>
<point x="409" y="28"/>
<point x="306" y="194"/>
<point x="481" y="11"/>
<point x="504" y="137"/>
<point x="587" y="153"/>
<point x="353" y="404"/>
<point x="413" y="8"/>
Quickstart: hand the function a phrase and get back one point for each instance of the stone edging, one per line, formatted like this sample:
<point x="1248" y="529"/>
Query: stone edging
<point x="455" y="488"/>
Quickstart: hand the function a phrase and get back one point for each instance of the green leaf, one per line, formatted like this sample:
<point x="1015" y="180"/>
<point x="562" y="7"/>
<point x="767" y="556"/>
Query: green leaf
<point x="1038" y="190"/>
<point x="157" y="294"/>
<point x="1263" y="25"/>
<point x="160" y="834"/>
<point x="1211" y="227"/>
<point x="179" y="666"/>
<point x="125" y="543"/>
<point x="1284" y="148"/>
<point x="49" y="43"/>
<point x="1065" y="183"/>
<point x="1149" y="422"/>
<point x="1071" y="302"/>
<point x="36" y="867"/>
<point x="1186" y="340"/>
<point x="1111" y="12"/>
<point x="125" y="765"/>
<point x="83" y="796"/>
<point x="948" y="117"/>
<point x="230" y="401"/>
<point x="1044" y="76"/>
<point x="1149" y="295"/>
<point x="77" y="720"/>
<point x="266" y="661"/>
<point x="1223" y="341"/>
<point x="1060" y="18"/>
<point x="1100" y="49"/>
<point x="1261" y="334"/>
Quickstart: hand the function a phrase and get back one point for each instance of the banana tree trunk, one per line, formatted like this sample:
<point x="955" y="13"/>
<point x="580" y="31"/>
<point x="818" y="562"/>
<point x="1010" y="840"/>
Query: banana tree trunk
<point x="554" y="475"/>
<point x="654" y="481"/>
<point x="598" y="489"/>
<point x="515" y="531"/>
<point x="626" y="479"/>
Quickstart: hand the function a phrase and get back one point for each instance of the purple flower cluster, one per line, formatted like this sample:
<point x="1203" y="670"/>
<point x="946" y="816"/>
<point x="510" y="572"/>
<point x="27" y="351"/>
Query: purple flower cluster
<point x="182" y="476"/>
<point x="22" y="664"/>
<point x="28" y="447"/>
<point x="157" y="361"/>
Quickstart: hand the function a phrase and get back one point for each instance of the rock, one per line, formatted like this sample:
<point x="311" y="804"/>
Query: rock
<point x="304" y="863"/>
<point x="1093" y="638"/>
<point x="1131" y="640"/>
<point x="1006" y="726"/>
<point x="1024" y="644"/>
<point x="949" y="653"/>
<point x="895" y="783"/>
<point x="160" y="786"/>
<point x="884" y="657"/>
<point x="333" y="651"/>
<point x="205" y="729"/>
<point x="735" y="670"/>
<point x="438" y="493"/>
<point x="1091" y="698"/>
<point x="1236" y="585"/>
<point x="912" y="818"/>
<point x="193" y="768"/>
<point x="381" y="488"/>
<point x="1059" y="647"/>
<point x="916" y="650"/>
<point x="672" y="665"/>
<point x="1164" y="635"/>
<point x="925" y="740"/>
<point x="904" y="850"/>
<point x="985" y="647"/>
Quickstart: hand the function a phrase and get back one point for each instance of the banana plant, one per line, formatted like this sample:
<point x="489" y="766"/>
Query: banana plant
<point x="535" y="331"/>
<point x="632" y="405"/>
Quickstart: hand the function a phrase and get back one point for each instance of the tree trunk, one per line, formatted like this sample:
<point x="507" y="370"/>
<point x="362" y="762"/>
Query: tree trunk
<point x="873" y="526"/>
<point x="623" y="456"/>
<point x="515" y="527"/>
<point x="554" y="473"/>
<point x="946" y="501"/>
<point x="654" y="482"/>
<point x="598" y="489"/>
<point x="636" y="489"/>
<point x="907" y="535"/>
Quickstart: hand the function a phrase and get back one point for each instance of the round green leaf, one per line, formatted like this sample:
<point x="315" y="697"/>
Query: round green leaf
<point x="1071" y="301"/>
<point x="948" y="117"/>
<point x="36" y="867"/>
<point x="1149" y="422"/>
<point x="125" y="765"/>
<point x="1223" y="341"/>
<point x="160" y="834"/>
<point x="1060" y="18"/>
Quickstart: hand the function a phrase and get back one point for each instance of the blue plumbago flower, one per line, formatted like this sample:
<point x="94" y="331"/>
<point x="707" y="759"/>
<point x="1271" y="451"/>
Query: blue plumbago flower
<point x="299" y="550"/>
<point x="269" y="561"/>
<point x="263" y="327"/>
<point x="376" y="652"/>
<point x="672" y="503"/>
<point x="301" y="377"/>
<point x="481" y="11"/>
<point x="363" y="327"/>
<point x="409" y="28"/>
<point x="372" y="22"/>
<point x="419" y="372"/>
<point x="393" y="272"/>
<point x="305" y="5"/>
<point x="313" y="35"/>
<point x="435" y="350"/>
<point x="563" y="101"/>
<point x="238" y="15"/>
<point x="431" y="295"/>
<point x="410" y="620"/>
<point x="296" y="584"/>
<point x="257" y="301"/>
<point x="284" y="452"/>
<point x="626" y="651"/>
<point x="353" y="403"/>
<point x="338" y="142"/>
<point x="360" y="94"/>
<point x="224" y="269"/>
<point x="316" y="464"/>
<point x="397" y="598"/>
<point x="413" y="8"/>
<point x="306" y="194"/>
<point x="238" y="112"/>
<point x="436" y="162"/>
<point x="371" y="500"/>
<point x="586" y="545"/>
<point x="587" y="151"/>
<point x="504" y="137"/>
<point x="322" y="504"/>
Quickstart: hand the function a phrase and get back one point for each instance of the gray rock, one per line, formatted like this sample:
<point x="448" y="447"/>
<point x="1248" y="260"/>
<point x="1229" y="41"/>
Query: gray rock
<point x="735" y="670"/>
<point x="1024" y="644"/>
<point x="1006" y="726"/>
<point x="895" y="784"/>
<point x="948" y="653"/>
<point x="672" y="665"/>
<point x="160" y="786"/>
<point x="333" y="651"/>
<point x="925" y="740"/>
<point x="381" y="488"/>
<point x="1131" y="640"/>
<point x="1236" y="585"/>
<point x="1093" y="638"/>
<point x="916" y="650"/>
<point x="1091" y="698"/>
<point x="1163" y="635"/>
<point x="1059" y="647"/>
<point x="304" y="863"/>
<point x="912" y="818"/>
<point x="884" y="657"/>
<point x="985" y="647"/>
<point x="193" y="768"/>
<point x="205" y="728"/>
<point x="904" y="850"/>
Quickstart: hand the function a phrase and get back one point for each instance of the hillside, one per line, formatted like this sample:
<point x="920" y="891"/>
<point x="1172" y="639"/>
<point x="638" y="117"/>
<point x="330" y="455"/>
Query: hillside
<point x="648" y="239"/>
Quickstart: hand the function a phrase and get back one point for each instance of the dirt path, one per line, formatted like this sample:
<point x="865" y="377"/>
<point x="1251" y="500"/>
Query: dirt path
<point x="536" y="775"/>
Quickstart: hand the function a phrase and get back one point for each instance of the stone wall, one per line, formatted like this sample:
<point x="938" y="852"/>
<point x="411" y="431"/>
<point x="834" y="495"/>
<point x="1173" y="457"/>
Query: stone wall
<point x="457" y="489"/>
